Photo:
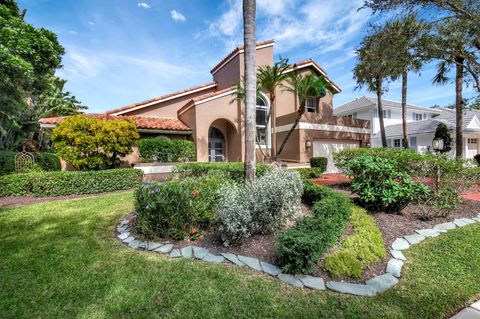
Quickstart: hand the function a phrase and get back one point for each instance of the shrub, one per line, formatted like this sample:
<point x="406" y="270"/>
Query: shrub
<point x="443" y="133"/>
<point x="359" y="250"/>
<point x="319" y="162"/>
<point x="159" y="149"/>
<point x="91" y="144"/>
<point x="301" y="247"/>
<point x="175" y="208"/>
<point x="43" y="184"/>
<point x="233" y="171"/>
<point x="313" y="193"/>
<point x="310" y="172"/>
<point x="477" y="159"/>
<point x="43" y="162"/>
<point x="380" y="185"/>
<point x="261" y="206"/>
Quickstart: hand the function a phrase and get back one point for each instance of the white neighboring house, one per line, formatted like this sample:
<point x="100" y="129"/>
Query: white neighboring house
<point x="422" y="123"/>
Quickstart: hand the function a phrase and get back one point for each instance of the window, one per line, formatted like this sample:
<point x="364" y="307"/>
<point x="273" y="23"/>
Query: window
<point x="397" y="143"/>
<point x="352" y="116"/>
<point x="387" y="114"/>
<point x="311" y="105"/>
<point x="472" y="141"/>
<point x="261" y="121"/>
<point x="419" y="116"/>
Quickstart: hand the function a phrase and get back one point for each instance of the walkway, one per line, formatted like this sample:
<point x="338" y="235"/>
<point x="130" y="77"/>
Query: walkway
<point x="472" y="312"/>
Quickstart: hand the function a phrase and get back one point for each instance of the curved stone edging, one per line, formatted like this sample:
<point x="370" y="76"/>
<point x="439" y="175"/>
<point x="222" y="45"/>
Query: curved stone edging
<point x="371" y="287"/>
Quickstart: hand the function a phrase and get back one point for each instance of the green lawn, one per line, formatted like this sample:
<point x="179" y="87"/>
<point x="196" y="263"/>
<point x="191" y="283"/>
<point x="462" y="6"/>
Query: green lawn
<point x="60" y="260"/>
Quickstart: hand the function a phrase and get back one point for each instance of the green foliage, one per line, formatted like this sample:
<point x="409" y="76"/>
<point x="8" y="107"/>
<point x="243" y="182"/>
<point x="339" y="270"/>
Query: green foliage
<point x="381" y="186"/>
<point x="443" y="133"/>
<point x="319" y="162"/>
<point x="301" y="247"/>
<point x="360" y="249"/>
<point x="261" y="206"/>
<point x="91" y="144"/>
<point x="233" y="171"/>
<point x="313" y="193"/>
<point x="43" y="162"/>
<point x="159" y="149"/>
<point x="43" y="184"/>
<point x="177" y="208"/>
<point x="309" y="172"/>
<point x="477" y="159"/>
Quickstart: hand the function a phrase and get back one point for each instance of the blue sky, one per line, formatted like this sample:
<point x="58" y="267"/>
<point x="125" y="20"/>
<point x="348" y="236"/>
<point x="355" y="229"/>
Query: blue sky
<point x="120" y="52"/>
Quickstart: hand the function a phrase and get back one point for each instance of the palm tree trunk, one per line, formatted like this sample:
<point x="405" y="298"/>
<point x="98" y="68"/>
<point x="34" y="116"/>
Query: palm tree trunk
<point x="459" y="106"/>
<point x="249" y="8"/>
<point x="300" y="113"/>
<point x="404" y="108"/>
<point x="380" y="111"/>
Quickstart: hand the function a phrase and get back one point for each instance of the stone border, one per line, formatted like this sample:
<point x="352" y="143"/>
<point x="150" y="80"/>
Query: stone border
<point x="371" y="287"/>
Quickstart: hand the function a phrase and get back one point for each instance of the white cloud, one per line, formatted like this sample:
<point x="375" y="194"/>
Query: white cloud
<point x="73" y="32"/>
<point x="177" y="16"/>
<point x="91" y="23"/>
<point x="143" y="5"/>
<point x="229" y="22"/>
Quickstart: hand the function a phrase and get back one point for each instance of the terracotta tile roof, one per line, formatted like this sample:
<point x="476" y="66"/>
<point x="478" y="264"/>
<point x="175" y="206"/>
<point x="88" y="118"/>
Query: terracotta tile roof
<point x="235" y="51"/>
<point x="142" y="122"/>
<point x="212" y="94"/>
<point x="163" y="97"/>
<point x="322" y="70"/>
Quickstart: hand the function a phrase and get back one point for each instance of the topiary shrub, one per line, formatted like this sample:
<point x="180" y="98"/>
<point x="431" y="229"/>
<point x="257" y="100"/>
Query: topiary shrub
<point x="43" y="184"/>
<point x="159" y="149"/>
<point x="233" y="171"/>
<point x="360" y="249"/>
<point x="177" y="208"/>
<point x="477" y="159"/>
<point x="261" y="206"/>
<point x="301" y="247"/>
<point x="319" y="162"/>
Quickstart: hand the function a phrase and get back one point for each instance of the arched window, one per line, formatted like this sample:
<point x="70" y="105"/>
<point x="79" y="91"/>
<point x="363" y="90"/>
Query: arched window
<point x="262" y="123"/>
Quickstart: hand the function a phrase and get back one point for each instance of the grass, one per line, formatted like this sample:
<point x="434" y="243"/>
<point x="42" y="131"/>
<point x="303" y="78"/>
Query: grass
<point x="60" y="260"/>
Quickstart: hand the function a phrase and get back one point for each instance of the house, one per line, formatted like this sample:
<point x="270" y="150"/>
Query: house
<point x="422" y="123"/>
<point x="208" y="115"/>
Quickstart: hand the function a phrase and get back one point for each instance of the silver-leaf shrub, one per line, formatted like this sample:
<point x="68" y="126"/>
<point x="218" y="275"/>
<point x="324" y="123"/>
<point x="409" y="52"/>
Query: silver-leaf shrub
<point x="258" y="207"/>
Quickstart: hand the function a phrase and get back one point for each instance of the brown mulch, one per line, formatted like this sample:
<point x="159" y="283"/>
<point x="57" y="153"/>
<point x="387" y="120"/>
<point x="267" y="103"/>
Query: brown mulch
<point x="27" y="200"/>
<point x="392" y="226"/>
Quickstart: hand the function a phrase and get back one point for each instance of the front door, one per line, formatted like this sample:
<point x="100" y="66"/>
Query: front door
<point x="216" y="145"/>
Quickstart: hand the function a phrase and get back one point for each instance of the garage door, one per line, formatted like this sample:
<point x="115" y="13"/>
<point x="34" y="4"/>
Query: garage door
<point x="326" y="148"/>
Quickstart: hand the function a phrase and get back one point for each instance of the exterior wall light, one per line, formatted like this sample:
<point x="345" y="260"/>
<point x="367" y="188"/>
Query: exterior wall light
<point x="308" y="144"/>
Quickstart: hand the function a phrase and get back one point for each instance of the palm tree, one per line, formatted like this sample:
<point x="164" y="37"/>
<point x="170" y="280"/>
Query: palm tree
<point x="269" y="79"/>
<point x="404" y="36"/>
<point x="249" y="8"/>
<point x="373" y="69"/>
<point x="303" y="86"/>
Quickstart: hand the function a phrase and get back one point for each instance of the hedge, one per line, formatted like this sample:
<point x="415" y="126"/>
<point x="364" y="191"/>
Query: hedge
<point x="43" y="162"/>
<point x="360" y="249"/>
<point x="319" y="162"/>
<point x="43" y="184"/>
<point x="309" y="172"/>
<point x="301" y="247"/>
<point x="234" y="170"/>
<point x="159" y="149"/>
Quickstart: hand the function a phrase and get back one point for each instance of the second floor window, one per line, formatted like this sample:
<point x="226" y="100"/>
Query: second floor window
<point x="311" y="105"/>
<point x="387" y="114"/>
<point x="262" y="123"/>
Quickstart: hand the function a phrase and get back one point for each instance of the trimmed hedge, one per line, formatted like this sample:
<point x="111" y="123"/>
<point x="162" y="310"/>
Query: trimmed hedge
<point x="159" y="149"/>
<point x="313" y="193"/>
<point x="233" y="171"/>
<point x="301" y="247"/>
<point x="43" y="184"/>
<point x="319" y="162"/>
<point x="310" y="172"/>
<point x="359" y="250"/>
<point x="177" y="208"/>
<point x="43" y="162"/>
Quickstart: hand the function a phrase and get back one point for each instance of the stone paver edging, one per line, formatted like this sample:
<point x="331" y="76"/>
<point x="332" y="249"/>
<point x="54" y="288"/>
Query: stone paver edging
<point x="371" y="287"/>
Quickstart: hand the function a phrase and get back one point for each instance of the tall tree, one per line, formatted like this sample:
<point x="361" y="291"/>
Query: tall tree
<point x="249" y="16"/>
<point x="404" y="37"/>
<point x="373" y="70"/>
<point x="303" y="86"/>
<point x="269" y="79"/>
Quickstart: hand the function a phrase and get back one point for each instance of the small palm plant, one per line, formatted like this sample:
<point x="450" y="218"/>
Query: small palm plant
<point x="303" y="86"/>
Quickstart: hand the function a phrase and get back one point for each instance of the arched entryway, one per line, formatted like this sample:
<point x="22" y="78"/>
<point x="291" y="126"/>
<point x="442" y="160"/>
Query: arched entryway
<point x="216" y="145"/>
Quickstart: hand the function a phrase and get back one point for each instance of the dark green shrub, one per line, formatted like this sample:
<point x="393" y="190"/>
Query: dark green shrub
<point x="313" y="193"/>
<point x="43" y="162"/>
<point x="319" y="162"/>
<point x="301" y="246"/>
<point x="175" y="208"/>
<point x="477" y="159"/>
<point x="309" y="173"/>
<point x="233" y="171"/>
<point x="159" y="149"/>
<point x="43" y="184"/>
<point x="360" y="249"/>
